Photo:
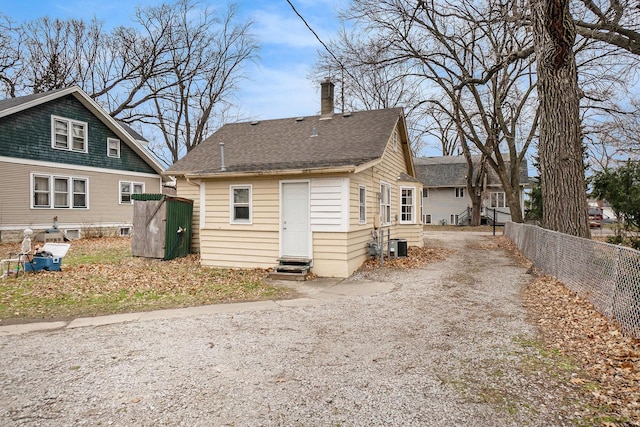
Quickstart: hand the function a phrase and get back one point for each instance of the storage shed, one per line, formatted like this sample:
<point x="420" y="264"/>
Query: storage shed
<point x="161" y="226"/>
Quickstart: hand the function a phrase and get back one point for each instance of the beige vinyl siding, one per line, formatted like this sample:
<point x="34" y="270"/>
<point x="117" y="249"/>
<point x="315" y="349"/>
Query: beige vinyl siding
<point x="191" y="191"/>
<point x="103" y="193"/>
<point x="255" y="245"/>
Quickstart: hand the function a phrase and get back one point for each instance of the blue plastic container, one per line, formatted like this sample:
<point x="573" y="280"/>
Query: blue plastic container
<point x="43" y="263"/>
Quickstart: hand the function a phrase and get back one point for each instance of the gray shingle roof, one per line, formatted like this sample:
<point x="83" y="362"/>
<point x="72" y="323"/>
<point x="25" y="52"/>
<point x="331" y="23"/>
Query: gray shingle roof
<point x="451" y="171"/>
<point x="8" y="103"/>
<point x="294" y="143"/>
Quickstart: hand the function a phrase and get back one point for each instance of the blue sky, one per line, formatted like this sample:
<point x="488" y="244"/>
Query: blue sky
<point x="278" y="84"/>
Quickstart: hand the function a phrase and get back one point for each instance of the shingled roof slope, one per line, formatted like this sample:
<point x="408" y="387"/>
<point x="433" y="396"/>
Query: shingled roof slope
<point x="451" y="171"/>
<point x="308" y="142"/>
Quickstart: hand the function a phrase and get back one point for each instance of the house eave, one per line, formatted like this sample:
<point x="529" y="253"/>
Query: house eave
<point x="245" y="174"/>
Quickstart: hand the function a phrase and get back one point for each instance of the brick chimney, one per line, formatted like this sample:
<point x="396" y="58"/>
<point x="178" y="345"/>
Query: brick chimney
<point x="326" y="99"/>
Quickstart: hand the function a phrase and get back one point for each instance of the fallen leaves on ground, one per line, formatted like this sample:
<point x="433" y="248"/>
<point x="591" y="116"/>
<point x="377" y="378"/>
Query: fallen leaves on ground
<point x="609" y="361"/>
<point x="416" y="257"/>
<point x="122" y="283"/>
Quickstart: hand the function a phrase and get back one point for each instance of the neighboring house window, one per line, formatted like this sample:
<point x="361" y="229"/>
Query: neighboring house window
<point x="241" y="206"/>
<point x="454" y="219"/>
<point x="41" y="191"/>
<point x="65" y="192"/>
<point x="61" y="192"/>
<point x="427" y="219"/>
<point x="425" y="192"/>
<point x="69" y="134"/>
<point x="362" y="204"/>
<point x="127" y="189"/>
<point x="113" y="147"/>
<point x="459" y="192"/>
<point x="407" y="205"/>
<point x="385" y="203"/>
<point x="498" y="200"/>
<point x="79" y="193"/>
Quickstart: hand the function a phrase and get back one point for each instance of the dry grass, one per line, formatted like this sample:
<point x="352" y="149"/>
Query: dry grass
<point x="99" y="276"/>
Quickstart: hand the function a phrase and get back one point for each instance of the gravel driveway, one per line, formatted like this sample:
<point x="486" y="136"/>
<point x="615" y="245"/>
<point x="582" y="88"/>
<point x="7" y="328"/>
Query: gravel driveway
<point x="446" y="345"/>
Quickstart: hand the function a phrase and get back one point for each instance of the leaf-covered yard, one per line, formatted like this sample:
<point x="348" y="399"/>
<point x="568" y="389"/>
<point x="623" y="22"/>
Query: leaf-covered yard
<point x="99" y="276"/>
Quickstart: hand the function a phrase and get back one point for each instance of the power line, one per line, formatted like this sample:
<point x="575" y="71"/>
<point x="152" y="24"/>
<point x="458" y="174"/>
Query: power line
<point x="315" y="34"/>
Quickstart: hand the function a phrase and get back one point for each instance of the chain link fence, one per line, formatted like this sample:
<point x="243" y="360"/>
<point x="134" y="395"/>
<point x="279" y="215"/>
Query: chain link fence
<point x="606" y="275"/>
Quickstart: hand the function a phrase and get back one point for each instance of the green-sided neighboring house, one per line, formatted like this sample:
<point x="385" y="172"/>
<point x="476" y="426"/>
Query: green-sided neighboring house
<point x="63" y="159"/>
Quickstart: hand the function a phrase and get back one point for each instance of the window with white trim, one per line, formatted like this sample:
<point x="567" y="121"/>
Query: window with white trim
<point x="422" y="192"/>
<point x="59" y="192"/>
<point x="454" y="219"/>
<point x="427" y="219"/>
<point x="113" y="147"/>
<point x="407" y="205"/>
<point x="498" y="200"/>
<point x="362" y="204"/>
<point x="385" y="203"/>
<point x="395" y="140"/>
<point x="459" y="192"/>
<point x="240" y="196"/>
<point x="67" y="134"/>
<point x="128" y="188"/>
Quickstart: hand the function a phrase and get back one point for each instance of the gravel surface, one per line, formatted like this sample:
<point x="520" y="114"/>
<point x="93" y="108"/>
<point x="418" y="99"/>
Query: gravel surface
<point x="447" y="345"/>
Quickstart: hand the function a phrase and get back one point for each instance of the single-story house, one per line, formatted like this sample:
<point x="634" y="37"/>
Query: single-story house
<point x="445" y="190"/>
<point x="314" y="188"/>
<point x="65" y="162"/>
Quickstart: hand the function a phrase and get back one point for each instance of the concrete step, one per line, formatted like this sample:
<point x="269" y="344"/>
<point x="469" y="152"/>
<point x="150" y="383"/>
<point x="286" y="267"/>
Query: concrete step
<point x="277" y="275"/>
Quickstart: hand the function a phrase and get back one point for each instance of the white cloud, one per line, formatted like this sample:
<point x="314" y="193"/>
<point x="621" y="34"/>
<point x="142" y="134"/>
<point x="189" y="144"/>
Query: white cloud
<point x="275" y="93"/>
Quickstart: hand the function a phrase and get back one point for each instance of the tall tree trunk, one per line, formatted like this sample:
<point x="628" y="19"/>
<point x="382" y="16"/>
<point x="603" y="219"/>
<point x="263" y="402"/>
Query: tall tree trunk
<point x="564" y="197"/>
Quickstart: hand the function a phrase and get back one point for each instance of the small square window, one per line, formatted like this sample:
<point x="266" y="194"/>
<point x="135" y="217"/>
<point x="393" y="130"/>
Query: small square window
<point x="113" y="147"/>
<point x="459" y="192"/>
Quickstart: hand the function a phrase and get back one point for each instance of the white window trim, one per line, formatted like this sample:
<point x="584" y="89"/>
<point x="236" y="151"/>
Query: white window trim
<point x="362" y="202"/>
<point x="458" y="192"/>
<point x="421" y="195"/>
<point x="504" y="199"/>
<point x="395" y="139"/>
<point x="413" y="205"/>
<point x="51" y="191"/>
<point x="132" y="183"/>
<point x="232" y="219"/>
<point x="382" y="186"/>
<point x="117" y="142"/>
<point x="70" y="123"/>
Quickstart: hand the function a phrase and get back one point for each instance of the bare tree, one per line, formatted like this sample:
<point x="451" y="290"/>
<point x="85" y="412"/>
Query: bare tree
<point x="9" y="54"/>
<point x="174" y="69"/>
<point x="471" y="56"/>
<point x="208" y="55"/>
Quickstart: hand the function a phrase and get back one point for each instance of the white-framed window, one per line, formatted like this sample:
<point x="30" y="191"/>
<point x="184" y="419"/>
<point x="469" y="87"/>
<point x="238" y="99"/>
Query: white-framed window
<point x="425" y="192"/>
<point x="113" y="147"/>
<point x="427" y="219"/>
<point x="407" y="205"/>
<point x="240" y="197"/>
<point x="459" y="192"/>
<point x="41" y="197"/>
<point x="68" y="134"/>
<point x="385" y="203"/>
<point x="498" y="200"/>
<point x="362" y="204"/>
<point x="395" y="140"/>
<point x="58" y="192"/>
<point x="124" y="231"/>
<point x="422" y="192"/>
<point x="127" y="188"/>
<point x="454" y="219"/>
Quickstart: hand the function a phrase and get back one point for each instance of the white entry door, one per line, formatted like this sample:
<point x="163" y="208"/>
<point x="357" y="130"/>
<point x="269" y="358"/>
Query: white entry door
<point x="295" y="233"/>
